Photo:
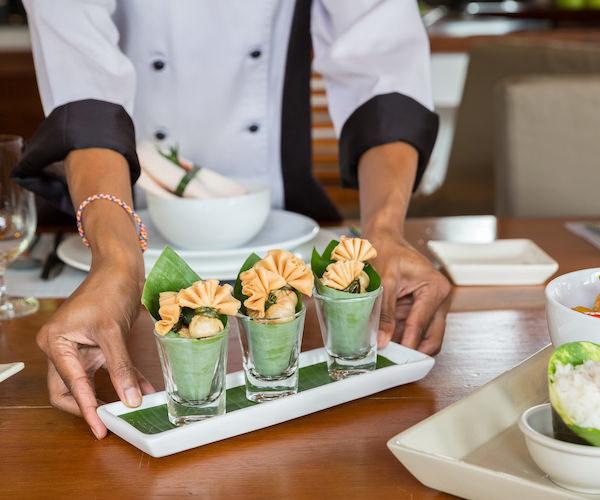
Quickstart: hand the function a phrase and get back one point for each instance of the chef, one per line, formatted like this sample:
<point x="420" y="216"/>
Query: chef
<point x="228" y="82"/>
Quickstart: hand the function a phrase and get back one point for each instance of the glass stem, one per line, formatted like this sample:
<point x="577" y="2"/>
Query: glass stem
<point x="3" y="294"/>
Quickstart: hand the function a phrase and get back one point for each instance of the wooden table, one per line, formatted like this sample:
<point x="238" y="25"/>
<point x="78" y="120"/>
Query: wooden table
<point x="338" y="453"/>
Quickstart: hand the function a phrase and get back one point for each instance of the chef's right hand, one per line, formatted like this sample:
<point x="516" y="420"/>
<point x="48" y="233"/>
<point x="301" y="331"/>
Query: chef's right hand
<point x="88" y="332"/>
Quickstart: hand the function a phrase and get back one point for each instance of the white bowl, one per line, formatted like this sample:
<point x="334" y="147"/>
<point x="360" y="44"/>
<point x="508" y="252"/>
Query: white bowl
<point x="211" y="224"/>
<point x="572" y="466"/>
<point x="579" y="288"/>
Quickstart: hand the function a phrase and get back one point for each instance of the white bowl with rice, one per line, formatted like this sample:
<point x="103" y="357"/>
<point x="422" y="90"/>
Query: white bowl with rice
<point x="579" y="288"/>
<point x="572" y="466"/>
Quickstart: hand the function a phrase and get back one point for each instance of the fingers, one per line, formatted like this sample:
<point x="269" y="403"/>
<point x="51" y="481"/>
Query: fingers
<point x="145" y="385"/>
<point x="432" y="340"/>
<point x="387" y="321"/>
<point x="71" y="390"/>
<point x="60" y="396"/>
<point x="426" y="302"/>
<point x="403" y="307"/>
<point x="123" y="374"/>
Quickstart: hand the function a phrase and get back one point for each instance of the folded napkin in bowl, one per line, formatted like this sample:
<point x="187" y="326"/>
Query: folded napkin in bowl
<point x="169" y="174"/>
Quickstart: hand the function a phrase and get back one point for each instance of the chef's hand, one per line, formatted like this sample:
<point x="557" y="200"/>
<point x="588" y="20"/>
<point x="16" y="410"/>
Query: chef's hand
<point x="415" y="295"/>
<point x="88" y="332"/>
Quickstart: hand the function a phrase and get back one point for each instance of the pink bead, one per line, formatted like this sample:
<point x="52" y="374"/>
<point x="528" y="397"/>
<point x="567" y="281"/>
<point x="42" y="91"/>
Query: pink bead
<point x="141" y="228"/>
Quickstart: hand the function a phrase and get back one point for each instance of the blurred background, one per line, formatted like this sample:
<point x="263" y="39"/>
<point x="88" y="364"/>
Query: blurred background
<point x="515" y="83"/>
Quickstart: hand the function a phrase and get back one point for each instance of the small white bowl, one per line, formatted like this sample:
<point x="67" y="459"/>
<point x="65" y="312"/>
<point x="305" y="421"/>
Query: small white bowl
<point x="579" y="288"/>
<point x="572" y="466"/>
<point x="211" y="224"/>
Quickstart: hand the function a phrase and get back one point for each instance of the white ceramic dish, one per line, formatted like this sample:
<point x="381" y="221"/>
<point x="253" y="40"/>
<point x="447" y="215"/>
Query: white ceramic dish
<point x="589" y="231"/>
<point x="410" y="366"/>
<point x="578" y="288"/>
<point x="572" y="466"/>
<point x="286" y="230"/>
<point x="474" y="448"/>
<point x="75" y="254"/>
<point x="502" y="262"/>
<point x="211" y="224"/>
<point x="9" y="369"/>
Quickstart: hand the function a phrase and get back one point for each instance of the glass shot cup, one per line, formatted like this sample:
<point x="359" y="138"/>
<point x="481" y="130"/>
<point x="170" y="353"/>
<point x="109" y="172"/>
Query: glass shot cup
<point x="270" y="351"/>
<point x="194" y="373"/>
<point x="349" y="327"/>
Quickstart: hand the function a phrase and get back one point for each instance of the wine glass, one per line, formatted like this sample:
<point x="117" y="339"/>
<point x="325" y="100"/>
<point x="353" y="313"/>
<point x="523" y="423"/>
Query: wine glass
<point x="18" y="221"/>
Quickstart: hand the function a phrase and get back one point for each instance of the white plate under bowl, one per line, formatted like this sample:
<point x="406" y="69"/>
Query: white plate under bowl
<point x="206" y="269"/>
<point x="73" y="253"/>
<point x="502" y="262"/>
<point x="285" y="230"/>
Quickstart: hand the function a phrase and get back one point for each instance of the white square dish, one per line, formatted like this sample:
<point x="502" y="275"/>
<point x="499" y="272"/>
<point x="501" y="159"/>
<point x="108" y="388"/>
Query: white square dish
<point x="474" y="449"/>
<point x="501" y="262"/>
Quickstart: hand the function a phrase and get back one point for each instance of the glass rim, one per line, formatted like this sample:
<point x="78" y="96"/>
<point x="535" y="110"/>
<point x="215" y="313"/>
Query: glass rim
<point x="360" y="298"/>
<point x="271" y="320"/>
<point x="158" y="335"/>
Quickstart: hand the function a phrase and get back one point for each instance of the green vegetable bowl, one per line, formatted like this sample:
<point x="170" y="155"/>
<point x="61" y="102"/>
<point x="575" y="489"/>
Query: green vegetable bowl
<point x="564" y="403"/>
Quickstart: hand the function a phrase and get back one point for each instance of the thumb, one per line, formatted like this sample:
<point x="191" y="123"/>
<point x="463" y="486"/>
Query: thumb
<point x="122" y="372"/>
<point x="387" y="320"/>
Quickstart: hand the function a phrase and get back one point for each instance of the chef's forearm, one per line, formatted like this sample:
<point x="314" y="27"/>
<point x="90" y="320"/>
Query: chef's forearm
<point x="386" y="178"/>
<point x="109" y="229"/>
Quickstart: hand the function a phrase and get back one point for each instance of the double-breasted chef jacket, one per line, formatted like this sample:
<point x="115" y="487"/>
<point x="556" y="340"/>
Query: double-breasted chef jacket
<point x="228" y="81"/>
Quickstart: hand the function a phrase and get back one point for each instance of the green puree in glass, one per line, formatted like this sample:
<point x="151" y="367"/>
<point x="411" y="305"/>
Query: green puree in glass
<point x="272" y="345"/>
<point x="348" y="322"/>
<point x="193" y="363"/>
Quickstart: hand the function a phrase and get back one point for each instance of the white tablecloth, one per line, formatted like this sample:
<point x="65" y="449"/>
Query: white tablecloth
<point x="28" y="282"/>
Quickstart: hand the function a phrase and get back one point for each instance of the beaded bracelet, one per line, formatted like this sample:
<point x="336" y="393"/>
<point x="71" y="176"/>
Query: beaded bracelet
<point x="141" y="228"/>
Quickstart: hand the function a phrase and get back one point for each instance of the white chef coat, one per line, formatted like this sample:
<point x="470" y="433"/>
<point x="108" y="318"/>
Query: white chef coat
<point x="208" y="76"/>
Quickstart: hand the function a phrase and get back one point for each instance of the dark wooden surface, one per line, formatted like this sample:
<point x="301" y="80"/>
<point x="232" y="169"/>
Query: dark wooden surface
<point x="337" y="453"/>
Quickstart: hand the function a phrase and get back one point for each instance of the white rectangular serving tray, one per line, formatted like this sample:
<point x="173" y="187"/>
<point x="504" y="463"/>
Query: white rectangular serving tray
<point x="474" y="449"/>
<point x="501" y="262"/>
<point x="410" y="366"/>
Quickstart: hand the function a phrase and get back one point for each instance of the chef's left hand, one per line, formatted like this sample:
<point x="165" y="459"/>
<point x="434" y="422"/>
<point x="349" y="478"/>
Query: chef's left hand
<point x="415" y="295"/>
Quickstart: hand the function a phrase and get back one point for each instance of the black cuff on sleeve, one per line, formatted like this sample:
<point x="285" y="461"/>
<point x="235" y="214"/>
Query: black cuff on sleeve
<point x="82" y="124"/>
<point x="381" y="120"/>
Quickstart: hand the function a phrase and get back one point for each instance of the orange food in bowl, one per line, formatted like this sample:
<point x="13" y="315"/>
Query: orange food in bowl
<point x="594" y="311"/>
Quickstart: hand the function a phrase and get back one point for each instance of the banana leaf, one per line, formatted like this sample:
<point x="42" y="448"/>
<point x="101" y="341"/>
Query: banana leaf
<point x="573" y="353"/>
<point x="170" y="273"/>
<point x="195" y="363"/>
<point x="237" y="288"/>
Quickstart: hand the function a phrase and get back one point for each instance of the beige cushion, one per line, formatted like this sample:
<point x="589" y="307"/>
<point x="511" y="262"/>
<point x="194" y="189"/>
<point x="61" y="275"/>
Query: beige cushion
<point x="548" y="146"/>
<point x="469" y="186"/>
